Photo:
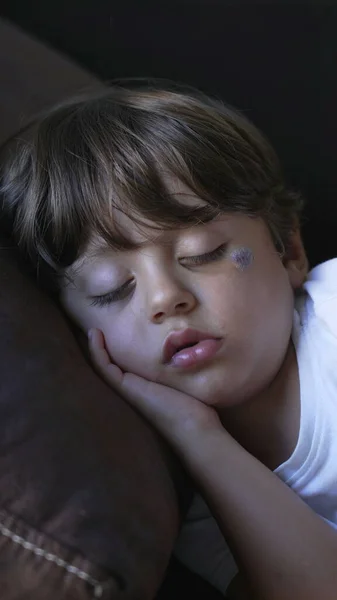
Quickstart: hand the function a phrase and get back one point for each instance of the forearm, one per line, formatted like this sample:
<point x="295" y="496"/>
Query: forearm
<point x="285" y="550"/>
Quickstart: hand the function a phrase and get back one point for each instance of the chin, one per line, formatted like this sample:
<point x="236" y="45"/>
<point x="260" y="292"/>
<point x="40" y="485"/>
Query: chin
<point x="208" y="394"/>
<point x="212" y="393"/>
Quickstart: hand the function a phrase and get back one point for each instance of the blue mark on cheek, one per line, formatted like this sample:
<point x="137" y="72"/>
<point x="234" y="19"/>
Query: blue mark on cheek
<point x="242" y="258"/>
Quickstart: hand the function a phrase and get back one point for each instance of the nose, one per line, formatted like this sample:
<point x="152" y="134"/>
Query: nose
<point x="170" y="298"/>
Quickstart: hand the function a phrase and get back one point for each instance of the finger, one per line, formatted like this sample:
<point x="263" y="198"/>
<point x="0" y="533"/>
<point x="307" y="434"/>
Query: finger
<point x="97" y="348"/>
<point x="101" y="360"/>
<point x="151" y="400"/>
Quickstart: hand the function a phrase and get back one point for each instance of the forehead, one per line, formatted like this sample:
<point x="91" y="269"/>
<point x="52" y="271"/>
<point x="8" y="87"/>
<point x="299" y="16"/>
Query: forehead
<point x="140" y="231"/>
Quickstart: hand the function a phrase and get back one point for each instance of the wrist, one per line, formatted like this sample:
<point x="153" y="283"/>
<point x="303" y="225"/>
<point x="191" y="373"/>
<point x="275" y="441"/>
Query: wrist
<point x="208" y="451"/>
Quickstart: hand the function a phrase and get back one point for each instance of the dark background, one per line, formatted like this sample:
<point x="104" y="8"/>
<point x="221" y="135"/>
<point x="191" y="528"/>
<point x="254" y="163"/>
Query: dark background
<point x="275" y="61"/>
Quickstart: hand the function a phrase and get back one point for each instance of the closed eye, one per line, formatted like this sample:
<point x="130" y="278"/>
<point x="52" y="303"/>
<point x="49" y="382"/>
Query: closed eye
<point x="114" y="296"/>
<point x="128" y="287"/>
<point x="203" y="259"/>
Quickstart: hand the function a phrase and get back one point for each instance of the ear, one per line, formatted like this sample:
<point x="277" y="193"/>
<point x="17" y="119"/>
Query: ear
<point x="295" y="260"/>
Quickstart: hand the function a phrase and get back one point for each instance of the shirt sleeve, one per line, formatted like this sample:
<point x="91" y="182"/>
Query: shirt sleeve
<point x="321" y="286"/>
<point x="202" y="548"/>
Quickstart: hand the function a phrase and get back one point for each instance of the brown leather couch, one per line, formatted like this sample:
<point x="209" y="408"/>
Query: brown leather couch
<point x="88" y="500"/>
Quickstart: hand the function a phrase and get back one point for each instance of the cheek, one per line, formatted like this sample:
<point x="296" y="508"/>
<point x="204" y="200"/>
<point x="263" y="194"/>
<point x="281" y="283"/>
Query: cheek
<point x="125" y="345"/>
<point x="121" y="341"/>
<point x="270" y="303"/>
<point x="247" y="302"/>
<point x="123" y="338"/>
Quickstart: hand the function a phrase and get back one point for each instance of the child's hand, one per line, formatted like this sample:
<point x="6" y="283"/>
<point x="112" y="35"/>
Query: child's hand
<point x="180" y="418"/>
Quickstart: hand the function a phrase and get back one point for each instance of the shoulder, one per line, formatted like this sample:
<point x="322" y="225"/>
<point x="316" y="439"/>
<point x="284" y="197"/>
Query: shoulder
<point x="321" y="287"/>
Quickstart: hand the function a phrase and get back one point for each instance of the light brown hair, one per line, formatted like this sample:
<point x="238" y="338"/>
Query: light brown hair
<point x="109" y="150"/>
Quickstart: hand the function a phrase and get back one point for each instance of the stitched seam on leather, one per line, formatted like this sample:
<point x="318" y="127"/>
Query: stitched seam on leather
<point x="60" y="562"/>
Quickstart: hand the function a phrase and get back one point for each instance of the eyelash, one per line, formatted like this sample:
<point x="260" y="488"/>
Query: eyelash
<point x="123" y="291"/>
<point x="202" y="259"/>
<point x="114" y="296"/>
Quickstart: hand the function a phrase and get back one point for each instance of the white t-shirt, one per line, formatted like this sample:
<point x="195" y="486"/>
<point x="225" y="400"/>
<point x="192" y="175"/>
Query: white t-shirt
<point x="311" y="470"/>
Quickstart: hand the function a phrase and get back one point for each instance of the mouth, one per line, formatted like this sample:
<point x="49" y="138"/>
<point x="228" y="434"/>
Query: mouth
<point x="187" y="347"/>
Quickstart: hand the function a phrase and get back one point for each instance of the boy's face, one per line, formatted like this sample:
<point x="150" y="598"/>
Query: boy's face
<point x="244" y="308"/>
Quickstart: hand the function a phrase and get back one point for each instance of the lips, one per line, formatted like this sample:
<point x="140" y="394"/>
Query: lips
<point x="179" y="340"/>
